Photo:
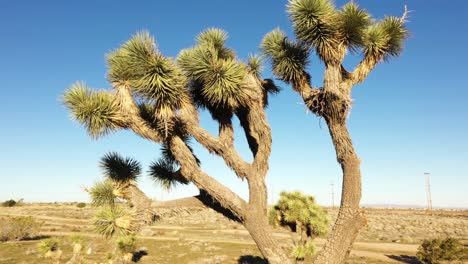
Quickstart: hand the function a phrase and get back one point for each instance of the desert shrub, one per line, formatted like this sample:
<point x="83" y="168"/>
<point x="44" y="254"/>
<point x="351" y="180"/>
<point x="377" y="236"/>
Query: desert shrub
<point x="9" y="203"/>
<point x="48" y="245"/>
<point x="300" y="251"/>
<point x="126" y="244"/>
<point x="81" y="205"/>
<point x="433" y="251"/>
<point x="19" y="228"/>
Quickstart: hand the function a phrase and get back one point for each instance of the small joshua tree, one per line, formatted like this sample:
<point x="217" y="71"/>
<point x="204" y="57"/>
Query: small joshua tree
<point x="302" y="215"/>
<point x="158" y="98"/>
<point x="331" y="33"/>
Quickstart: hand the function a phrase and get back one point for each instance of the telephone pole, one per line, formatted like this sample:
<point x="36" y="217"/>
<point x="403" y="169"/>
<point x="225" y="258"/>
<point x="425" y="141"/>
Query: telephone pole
<point x="428" y="191"/>
<point x="332" y="194"/>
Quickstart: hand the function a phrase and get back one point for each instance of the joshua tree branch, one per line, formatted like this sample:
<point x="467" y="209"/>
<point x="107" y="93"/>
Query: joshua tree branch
<point x="189" y="116"/>
<point x="130" y="112"/>
<point x="192" y="172"/>
<point x="363" y="69"/>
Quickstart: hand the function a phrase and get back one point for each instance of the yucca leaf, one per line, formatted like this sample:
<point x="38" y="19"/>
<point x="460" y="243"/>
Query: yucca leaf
<point x="164" y="173"/>
<point x="114" y="220"/>
<point x="120" y="169"/>
<point x="150" y="74"/>
<point x="102" y="194"/>
<point x="352" y="25"/>
<point x="289" y="59"/>
<point x="96" y="110"/>
<point x="315" y="22"/>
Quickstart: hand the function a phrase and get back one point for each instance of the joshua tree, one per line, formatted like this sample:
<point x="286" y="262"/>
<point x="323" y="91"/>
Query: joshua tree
<point x="331" y="33"/>
<point x="302" y="215"/>
<point x="158" y="98"/>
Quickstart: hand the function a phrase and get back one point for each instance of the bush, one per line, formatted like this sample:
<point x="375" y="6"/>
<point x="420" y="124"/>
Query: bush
<point x="19" y="228"/>
<point x="437" y="250"/>
<point x="126" y="244"/>
<point x="300" y="251"/>
<point x="81" y="205"/>
<point x="9" y="203"/>
<point x="48" y="245"/>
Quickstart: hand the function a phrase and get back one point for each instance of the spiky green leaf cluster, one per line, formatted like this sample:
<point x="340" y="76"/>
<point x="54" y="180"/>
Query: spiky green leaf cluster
<point x="255" y="65"/>
<point x="120" y="169"/>
<point x="352" y="25"/>
<point x="96" y="110"/>
<point x="126" y="244"/>
<point x="216" y="76"/>
<point x="48" y="245"/>
<point x="314" y="22"/>
<point x="289" y="58"/>
<point x="139" y="64"/>
<point x="300" y="251"/>
<point x="330" y="31"/>
<point x="114" y="220"/>
<point x="295" y="207"/>
<point x="386" y="38"/>
<point x="102" y="193"/>
<point x="164" y="173"/>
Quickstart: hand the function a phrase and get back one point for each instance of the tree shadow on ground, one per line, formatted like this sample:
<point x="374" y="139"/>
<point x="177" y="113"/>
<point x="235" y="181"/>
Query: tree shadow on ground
<point x="249" y="259"/>
<point x="138" y="255"/>
<point x="405" y="259"/>
<point x="40" y="237"/>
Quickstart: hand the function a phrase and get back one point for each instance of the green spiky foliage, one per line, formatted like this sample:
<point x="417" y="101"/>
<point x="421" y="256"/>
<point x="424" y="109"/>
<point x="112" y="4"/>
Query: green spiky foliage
<point x="352" y="25"/>
<point x="300" y="251"/>
<point x="96" y="110"/>
<point x="48" y="245"/>
<point x="294" y="207"/>
<point x="255" y="65"/>
<point x="289" y="59"/>
<point x="102" y="193"/>
<point x="126" y="244"/>
<point x="139" y="64"/>
<point x="318" y="24"/>
<point x="215" y="75"/>
<point x="120" y="169"/>
<point x="114" y="220"/>
<point x="164" y="173"/>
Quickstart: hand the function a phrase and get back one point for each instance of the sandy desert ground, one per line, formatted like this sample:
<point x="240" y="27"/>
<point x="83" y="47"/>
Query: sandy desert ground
<point x="199" y="235"/>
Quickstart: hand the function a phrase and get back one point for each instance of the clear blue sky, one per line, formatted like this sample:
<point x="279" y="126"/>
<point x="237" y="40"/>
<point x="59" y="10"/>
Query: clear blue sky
<point x="409" y="117"/>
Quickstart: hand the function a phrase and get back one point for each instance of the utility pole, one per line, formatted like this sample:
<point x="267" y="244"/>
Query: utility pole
<point x="428" y="191"/>
<point x="333" y="194"/>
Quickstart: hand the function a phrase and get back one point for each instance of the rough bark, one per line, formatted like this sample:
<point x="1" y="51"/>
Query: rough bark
<point x="144" y="206"/>
<point x="333" y="103"/>
<point x="350" y="219"/>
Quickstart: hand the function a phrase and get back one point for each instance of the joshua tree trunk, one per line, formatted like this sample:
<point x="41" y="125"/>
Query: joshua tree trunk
<point x="143" y="204"/>
<point x="257" y="224"/>
<point x="350" y="219"/>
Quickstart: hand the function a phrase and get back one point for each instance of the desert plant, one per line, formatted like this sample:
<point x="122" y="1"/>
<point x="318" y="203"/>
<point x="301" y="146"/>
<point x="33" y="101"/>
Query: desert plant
<point x="114" y="220"/>
<point x="19" y="228"/>
<point x="126" y="244"/>
<point x="9" y="203"/>
<point x="48" y="245"/>
<point x="81" y="205"/>
<point x="169" y="94"/>
<point x="300" y="251"/>
<point x="330" y="32"/>
<point x="433" y="251"/>
<point x="302" y="215"/>
<point x="102" y="193"/>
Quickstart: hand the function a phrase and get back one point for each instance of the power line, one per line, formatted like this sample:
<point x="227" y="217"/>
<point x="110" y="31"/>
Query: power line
<point x="428" y="191"/>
